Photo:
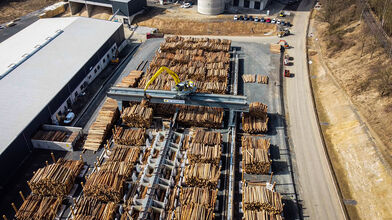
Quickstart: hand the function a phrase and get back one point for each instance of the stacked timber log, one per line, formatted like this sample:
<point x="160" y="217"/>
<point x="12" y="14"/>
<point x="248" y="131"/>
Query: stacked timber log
<point x="55" y="179"/>
<point x="60" y="136"/>
<point x="193" y="212"/>
<point x="206" y="137"/>
<point x="205" y="61"/>
<point x="260" y="215"/>
<point x="89" y="208"/>
<point x="202" y="175"/>
<point x="249" y="78"/>
<point x="262" y="79"/>
<point x="258" y="198"/>
<point x="124" y="136"/>
<point x="256" y="121"/>
<point x="255" y="156"/>
<point x="202" y="153"/>
<point x="102" y="125"/>
<point x="200" y="116"/>
<point x="137" y="116"/>
<point x="104" y="186"/>
<point x="124" y="154"/>
<point x="195" y="195"/>
<point x="38" y="207"/>
<point x="121" y="168"/>
<point x="131" y="80"/>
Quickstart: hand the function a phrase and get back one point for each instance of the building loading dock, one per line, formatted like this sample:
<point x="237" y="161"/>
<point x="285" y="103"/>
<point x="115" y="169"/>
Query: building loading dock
<point x="44" y="67"/>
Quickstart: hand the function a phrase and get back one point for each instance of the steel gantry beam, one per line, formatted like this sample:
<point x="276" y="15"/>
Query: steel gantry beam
<point x="231" y="102"/>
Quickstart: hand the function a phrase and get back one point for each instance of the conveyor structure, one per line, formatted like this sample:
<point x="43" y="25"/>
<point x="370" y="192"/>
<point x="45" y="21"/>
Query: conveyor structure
<point x="231" y="102"/>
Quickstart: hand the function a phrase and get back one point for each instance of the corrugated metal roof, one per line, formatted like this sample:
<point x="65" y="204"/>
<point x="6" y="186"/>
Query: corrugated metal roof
<point x="29" y="88"/>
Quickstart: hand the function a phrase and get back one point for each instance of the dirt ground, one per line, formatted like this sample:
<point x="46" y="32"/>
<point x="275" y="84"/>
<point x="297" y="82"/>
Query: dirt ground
<point x="359" y="160"/>
<point x="11" y="9"/>
<point x="180" y="21"/>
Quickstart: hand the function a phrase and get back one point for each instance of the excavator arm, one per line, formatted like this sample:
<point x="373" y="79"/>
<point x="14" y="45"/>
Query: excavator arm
<point x="163" y="68"/>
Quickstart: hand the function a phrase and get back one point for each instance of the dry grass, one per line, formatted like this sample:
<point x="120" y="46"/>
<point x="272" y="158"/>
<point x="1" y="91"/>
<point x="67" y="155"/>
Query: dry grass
<point x="11" y="9"/>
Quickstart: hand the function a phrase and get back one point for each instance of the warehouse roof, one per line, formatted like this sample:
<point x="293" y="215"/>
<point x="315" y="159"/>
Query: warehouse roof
<point x="45" y="57"/>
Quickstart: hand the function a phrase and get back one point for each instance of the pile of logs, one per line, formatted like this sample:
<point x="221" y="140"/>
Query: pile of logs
<point x="131" y="80"/>
<point x="60" y="136"/>
<point x="206" y="137"/>
<point x="258" y="198"/>
<point x="195" y="195"/>
<point x="137" y="116"/>
<point x="200" y="116"/>
<point x="121" y="168"/>
<point x="104" y="186"/>
<point x="256" y="121"/>
<point x="260" y="215"/>
<point x="55" y="179"/>
<point x="249" y="142"/>
<point x="262" y="79"/>
<point x="205" y="61"/>
<point x="124" y="154"/>
<point x="193" y="212"/>
<point x="124" y="136"/>
<point x="102" y="125"/>
<point x="249" y="78"/>
<point x="90" y="209"/>
<point x="201" y="153"/>
<point x="38" y="207"/>
<point x="255" y="156"/>
<point x="202" y="175"/>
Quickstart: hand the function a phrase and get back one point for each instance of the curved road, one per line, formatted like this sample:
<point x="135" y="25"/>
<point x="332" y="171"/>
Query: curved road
<point x="316" y="185"/>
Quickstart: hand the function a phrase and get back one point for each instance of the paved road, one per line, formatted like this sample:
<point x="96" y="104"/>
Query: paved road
<point x="316" y="185"/>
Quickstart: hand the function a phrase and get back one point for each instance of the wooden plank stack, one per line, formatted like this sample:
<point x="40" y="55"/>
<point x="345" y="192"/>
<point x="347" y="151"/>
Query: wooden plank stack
<point x="104" y="186"/>
<point x="60" y="136"/>
<point x="55" y="179"/>
<point x="258" y="198"/>
<point x="202" y="153"/>
<point x="126" y="154"/>
<point x="102" y="125"/>
<point x="205" y="61"/>
<point x="124" y="136"/>
<point x="202" y="175"/>
<point x="249" y="78"/>
<point x="137" y="116"/>
<point x="193" y="211"/>
<point x="256" y="121"/>
<point x="255" y="155"/>
<point x="38" y="207"/>
<point x="195" y="195"/>
<point x="90" y="209"/>
<point x="206" y="137"/>
<point x="200" y="116"/>
<point x="260" y="215"/>
<point x="131" y="80"/>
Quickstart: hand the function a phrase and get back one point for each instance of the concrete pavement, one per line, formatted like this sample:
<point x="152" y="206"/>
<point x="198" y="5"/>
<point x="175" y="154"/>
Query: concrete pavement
<point x="316" y="187"/>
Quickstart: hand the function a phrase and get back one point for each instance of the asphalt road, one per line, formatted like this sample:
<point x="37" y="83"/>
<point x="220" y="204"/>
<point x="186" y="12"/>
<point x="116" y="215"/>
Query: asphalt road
<point x="316" y="185"/>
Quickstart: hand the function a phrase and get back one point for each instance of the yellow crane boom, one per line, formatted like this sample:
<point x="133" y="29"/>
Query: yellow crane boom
<point x="163" y="68"/>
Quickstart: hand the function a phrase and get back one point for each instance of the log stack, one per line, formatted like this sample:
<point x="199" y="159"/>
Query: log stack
<point x="137" y="116"/>
<point x="39" y="207"/>
<point x="104" y="186"/>
<point x="193" y="212"/>
<point x="258" y="198"/>
<point x="131" y="80"/>
<point x="200" y="116"/>
<point x="124" y="136"/>
<point x="202" y="136"/>
<point x="249" y="78"/>
<point x="124" y="154"/>
<point x="262" y="79"/>
<point x="60" y="136"/>
<point x="55" y="179"/>
<point x="102" y="125"/>
<point x="90" y="209"/>
<point x="202" y="153"/>
<point x="256" y="161"/>
<point x="195" y="195"/>
<point x="260" y="215"/>
<point x="201" y="175"/>
<point x="258" y="109"/>
<point x="256" y="121"/>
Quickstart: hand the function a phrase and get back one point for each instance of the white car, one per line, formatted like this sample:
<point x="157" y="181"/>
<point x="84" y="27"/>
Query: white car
<point x="235" y="17"/>
<point x="256" y="19"/>
<point x="186" y="5"/>
<point x="273" y="21"/>
<point x="278" y="21"/>
<point x="69" y="118"/>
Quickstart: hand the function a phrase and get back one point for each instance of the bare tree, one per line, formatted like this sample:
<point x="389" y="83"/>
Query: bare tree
<point x="384" y="76"/>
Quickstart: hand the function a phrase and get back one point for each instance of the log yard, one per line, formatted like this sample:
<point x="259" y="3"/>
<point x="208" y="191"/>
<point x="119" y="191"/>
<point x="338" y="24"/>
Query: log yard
<point x="163" y="110"/>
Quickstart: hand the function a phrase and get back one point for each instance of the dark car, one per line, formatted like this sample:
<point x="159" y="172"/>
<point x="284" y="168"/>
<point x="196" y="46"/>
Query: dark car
<point x="288" y="24"/>
<point x="262" y="19"/>
<point x="283" y="23"/>
<point x="251" y="18"/>
<point x="268" y="20"/>
<point x="246" y="18"/>
<point x="241" y="18"/>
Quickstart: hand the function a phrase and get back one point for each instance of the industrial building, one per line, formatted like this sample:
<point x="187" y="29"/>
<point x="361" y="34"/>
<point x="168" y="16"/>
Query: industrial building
<point x="123" y="10"/>
<point x="43" y="69"/>
<point x="214" y="7"/>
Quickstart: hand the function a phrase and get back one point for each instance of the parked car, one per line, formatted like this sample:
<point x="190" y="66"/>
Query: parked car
<point x="241" y="18"/>
<point x="273" y="21"/>
<point x="1" y="27"/>
<point x="69" y="118"/>
<point x="246" y="18"/>
<point x="283" y="23"/>
<point x="288" y="24"/>
<point x="256" y="19"/>
<point x="278" y="21"/>
<point x="262" y="19"/>
<point x="251" y="18"/>
<point x="235" y="17"/>
<point x="186" y="5"/>
<point x="268" y="20"/>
